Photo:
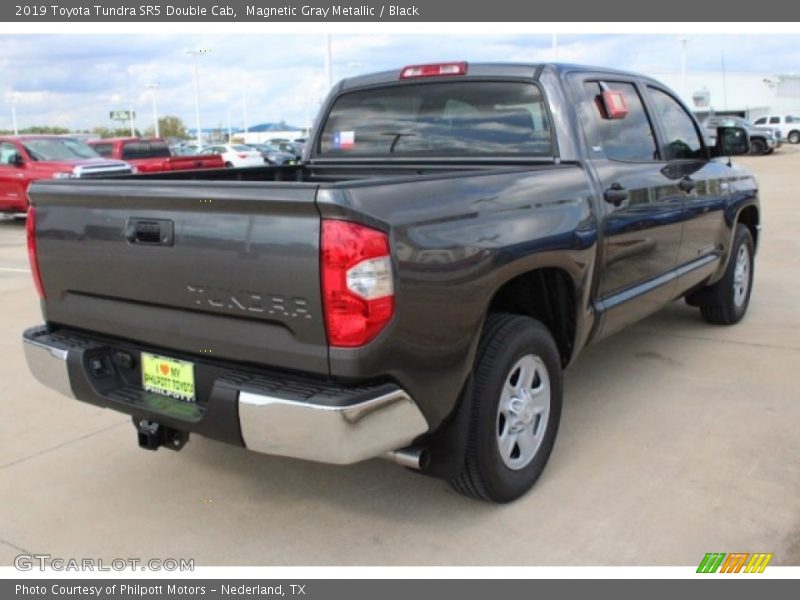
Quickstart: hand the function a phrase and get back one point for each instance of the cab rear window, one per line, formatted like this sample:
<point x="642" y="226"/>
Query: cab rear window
<point x="434" y="119"/>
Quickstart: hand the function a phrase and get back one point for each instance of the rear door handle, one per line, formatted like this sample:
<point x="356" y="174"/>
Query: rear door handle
<point x="687" y="184"/>
<point x="616" y="194"/>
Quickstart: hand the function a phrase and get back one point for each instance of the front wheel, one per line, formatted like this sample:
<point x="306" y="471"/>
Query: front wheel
<point x="726" y="302"/>
<point x="794" y="137"/>
<point x="758" y="146"/>
<point x="516" y="409"/>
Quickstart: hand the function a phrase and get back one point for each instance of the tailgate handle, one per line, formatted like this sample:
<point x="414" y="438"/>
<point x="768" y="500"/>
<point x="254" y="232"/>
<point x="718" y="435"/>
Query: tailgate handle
<point x="149" y="231"/>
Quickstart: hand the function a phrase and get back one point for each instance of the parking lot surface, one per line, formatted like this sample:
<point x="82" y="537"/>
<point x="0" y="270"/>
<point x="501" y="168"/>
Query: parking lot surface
<point x="678" y="438"/>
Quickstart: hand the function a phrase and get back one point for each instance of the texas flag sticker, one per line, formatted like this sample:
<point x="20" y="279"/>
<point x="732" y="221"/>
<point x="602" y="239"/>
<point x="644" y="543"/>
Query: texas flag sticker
<point x="344" y="139"/>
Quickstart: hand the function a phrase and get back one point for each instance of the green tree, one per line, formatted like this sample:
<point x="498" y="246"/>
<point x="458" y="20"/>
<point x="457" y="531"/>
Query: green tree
<point x="172" y="127"/>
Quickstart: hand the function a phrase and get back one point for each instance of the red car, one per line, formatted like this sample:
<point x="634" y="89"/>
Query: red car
<point x="26" y="158"/>
<point x="149" y="155"/>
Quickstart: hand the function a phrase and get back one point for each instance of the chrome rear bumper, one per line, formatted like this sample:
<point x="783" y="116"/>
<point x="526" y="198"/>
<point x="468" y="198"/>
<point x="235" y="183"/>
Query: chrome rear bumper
<point x="332" y="424"/>
<point x="340" y="435"/>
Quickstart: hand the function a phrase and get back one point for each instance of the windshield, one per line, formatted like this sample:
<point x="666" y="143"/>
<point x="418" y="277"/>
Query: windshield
<point x="58" y="149"/>
<point x="464" y="118"/>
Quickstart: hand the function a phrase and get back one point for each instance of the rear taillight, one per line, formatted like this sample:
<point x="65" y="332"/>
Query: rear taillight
<point x="30" y="230"/>
<point x="435" y="70"/>
<point x="357" y="282"/>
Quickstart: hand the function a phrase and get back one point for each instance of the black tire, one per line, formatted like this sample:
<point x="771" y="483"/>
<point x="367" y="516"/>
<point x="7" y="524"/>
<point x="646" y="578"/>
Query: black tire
<point x="794" y="137"/>
<point x="228" y="164"/>
<point x="758" y="146"/>
<point x="718" y="303"/>
<point x="507" y="339"/>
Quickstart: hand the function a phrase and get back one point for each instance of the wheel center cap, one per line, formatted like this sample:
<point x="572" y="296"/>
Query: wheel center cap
<point x="522" y="411"/>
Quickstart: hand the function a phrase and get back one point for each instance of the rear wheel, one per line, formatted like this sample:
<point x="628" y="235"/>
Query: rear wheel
<point x="794" y="137"/>
<point x="726" y="302"/>
<point x="758" y="146"/>
<point x="516" y="409"/>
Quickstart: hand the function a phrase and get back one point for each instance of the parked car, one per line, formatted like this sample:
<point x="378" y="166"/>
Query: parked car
<point x="788" y="125"/>
<point x="186" y="149"/>
<point x="153" y="154"/>
<point x="292" y="148"/>
<point x="273" y="155"/>
<point x="236" y="155"/>
<point x="763" y="140"/>
<point x="415" y="289"/>
<point x="28" y="158"/>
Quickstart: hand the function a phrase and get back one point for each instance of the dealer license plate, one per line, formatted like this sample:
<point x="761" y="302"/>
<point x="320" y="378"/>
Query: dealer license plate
<point x="168" y="376"/>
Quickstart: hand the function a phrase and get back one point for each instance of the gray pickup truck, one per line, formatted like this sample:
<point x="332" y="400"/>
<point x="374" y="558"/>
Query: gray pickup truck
<point x="456" y="234"/>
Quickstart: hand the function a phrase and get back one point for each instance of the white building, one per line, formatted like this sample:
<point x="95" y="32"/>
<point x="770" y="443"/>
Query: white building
<point x="749" y="95"/>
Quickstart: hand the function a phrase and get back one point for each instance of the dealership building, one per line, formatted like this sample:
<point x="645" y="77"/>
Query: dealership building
<point x="749" y="95"/>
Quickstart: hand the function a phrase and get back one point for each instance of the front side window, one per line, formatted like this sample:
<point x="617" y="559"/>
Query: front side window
<point x="104" y="150"/>
<point x="455" y="118"/>
<point x="8" y="153"/>
<point x="682" y="141"/>
<point x="761" y="121"/>
<point x="628" y="139"/>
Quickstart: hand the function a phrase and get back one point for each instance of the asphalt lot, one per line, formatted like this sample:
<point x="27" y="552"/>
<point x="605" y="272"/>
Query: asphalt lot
<point x="678" y="438"/>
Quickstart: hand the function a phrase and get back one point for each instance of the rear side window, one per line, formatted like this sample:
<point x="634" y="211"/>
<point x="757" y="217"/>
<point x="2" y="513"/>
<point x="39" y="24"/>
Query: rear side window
<point x="159" y="150"/>
<point x="133" y="150"/>
<point x="103" y="149"/>
<point x="682" y="138"/>
<point x="628" y="139"/>
<point x="456" y="118"/>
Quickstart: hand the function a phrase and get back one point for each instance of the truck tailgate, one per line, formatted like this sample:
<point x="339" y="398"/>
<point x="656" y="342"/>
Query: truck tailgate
<point x="227" y="270"/>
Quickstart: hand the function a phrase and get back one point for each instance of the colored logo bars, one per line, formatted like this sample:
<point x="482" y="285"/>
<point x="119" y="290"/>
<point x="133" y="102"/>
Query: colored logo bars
<point x="736" y="562"/>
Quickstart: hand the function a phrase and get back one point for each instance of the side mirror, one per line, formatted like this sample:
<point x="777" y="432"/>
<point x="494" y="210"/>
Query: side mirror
<point x="732" y="141"/>
<point x="16" y="160"/>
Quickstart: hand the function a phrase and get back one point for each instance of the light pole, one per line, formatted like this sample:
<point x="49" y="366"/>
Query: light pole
<point x="230" y="127"/>
<point x="328" y="63"/>
<point x="196" y="54"/>
<point x="683" y="42"/>
<point x="153" y="87"/>
<point x="12" y="100"/>
<point x="131" y="117"/>
<point x="244" y="111"/>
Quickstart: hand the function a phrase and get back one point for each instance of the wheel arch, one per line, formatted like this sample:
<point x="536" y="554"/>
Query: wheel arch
<point x="749" y="216"/>
<point x="547" y="294"/>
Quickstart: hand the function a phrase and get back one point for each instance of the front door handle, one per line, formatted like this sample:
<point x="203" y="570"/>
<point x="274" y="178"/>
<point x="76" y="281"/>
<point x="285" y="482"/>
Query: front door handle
<point x="687" y="184"/>
<point x="616" y="194"/>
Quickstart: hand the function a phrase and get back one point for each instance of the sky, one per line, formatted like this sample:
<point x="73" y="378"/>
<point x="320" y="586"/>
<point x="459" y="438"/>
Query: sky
<point x="74" y="81"/>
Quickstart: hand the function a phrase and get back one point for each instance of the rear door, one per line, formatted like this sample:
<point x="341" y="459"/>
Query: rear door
<point x="641" y="214"/>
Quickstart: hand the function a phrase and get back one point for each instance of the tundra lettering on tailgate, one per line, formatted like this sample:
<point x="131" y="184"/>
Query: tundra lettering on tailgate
<point x="248" y="301"/>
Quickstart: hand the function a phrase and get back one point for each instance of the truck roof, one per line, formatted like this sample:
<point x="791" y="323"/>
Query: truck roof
<point x="498" y="69"/>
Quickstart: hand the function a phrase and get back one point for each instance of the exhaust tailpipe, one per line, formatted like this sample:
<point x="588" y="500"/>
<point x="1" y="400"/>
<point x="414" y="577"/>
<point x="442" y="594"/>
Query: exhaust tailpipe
<point x="411" y="458"/>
